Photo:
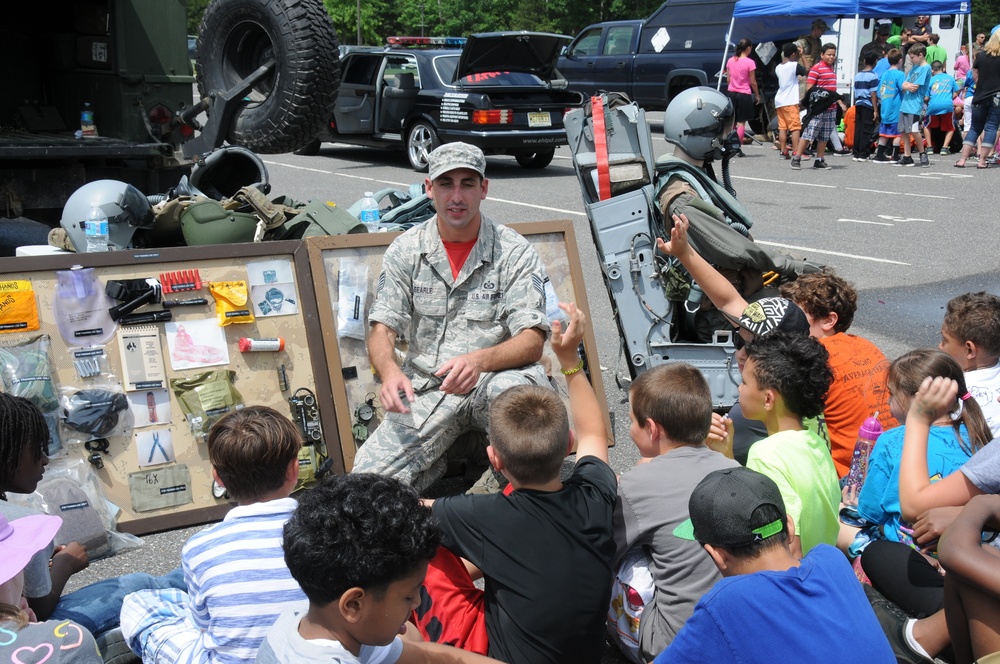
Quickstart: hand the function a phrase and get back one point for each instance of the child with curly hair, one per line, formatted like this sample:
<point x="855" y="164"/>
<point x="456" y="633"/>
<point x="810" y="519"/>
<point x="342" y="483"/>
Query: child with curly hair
<point x="785" y="379"/>
<point x="358" y="545"/>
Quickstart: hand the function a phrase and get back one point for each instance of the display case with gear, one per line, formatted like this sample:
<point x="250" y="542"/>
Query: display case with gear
<point x="138" y="352"/>
<point x="346" y="271"/>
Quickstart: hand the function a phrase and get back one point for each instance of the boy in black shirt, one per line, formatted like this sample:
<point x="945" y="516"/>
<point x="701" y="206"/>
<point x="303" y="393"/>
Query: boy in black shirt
<point x="545" y="549"/>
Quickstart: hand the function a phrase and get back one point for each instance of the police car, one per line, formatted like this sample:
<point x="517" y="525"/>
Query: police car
<point x="499" y="91"/>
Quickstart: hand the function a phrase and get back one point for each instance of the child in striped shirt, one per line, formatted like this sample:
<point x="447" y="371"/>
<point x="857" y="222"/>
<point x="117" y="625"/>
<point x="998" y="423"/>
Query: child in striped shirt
<point x="237" y="580"/>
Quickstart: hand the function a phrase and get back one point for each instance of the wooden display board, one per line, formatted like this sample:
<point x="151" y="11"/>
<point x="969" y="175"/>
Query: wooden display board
<point x="257" y="376"/>
<point x="350" y="374"/>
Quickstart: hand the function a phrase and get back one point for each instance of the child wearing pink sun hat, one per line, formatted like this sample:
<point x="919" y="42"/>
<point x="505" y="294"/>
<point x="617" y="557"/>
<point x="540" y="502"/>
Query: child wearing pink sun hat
<point x="21" y="638"/>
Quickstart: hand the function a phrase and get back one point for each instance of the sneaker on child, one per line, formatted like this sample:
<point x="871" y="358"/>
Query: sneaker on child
<point x="893" y="621"/>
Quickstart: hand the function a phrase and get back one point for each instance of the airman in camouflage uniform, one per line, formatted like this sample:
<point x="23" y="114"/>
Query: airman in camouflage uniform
<point x="470" y="336"/>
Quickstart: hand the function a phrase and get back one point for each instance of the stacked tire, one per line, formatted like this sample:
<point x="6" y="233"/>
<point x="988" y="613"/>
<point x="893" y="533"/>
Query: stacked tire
<point x="286" y="110"/>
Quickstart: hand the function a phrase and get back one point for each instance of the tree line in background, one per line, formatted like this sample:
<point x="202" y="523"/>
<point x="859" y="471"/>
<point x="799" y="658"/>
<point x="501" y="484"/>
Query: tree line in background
<point x="459" y="18"/>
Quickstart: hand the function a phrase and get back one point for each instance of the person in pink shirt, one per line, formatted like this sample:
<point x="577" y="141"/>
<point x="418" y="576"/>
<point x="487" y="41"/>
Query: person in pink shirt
<point x="962" y="66"/>
<point x="743" y="85"/>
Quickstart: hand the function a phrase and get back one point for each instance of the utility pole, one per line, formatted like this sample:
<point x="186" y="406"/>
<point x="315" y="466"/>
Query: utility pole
<point x="359" y="22"/>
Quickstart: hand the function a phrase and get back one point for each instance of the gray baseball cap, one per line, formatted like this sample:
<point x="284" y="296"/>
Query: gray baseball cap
<point x="450" y="156"/>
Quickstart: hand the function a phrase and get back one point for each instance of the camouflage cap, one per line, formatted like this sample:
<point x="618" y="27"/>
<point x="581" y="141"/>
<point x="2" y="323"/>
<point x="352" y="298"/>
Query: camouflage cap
<point x="450" y="156"/>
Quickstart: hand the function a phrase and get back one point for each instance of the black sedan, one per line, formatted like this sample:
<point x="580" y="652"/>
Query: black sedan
<point x="499" y="91"/>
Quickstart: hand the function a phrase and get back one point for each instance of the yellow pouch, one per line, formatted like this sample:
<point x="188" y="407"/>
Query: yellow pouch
<point x="231" y="299"/>
<point x="18" y="309"/>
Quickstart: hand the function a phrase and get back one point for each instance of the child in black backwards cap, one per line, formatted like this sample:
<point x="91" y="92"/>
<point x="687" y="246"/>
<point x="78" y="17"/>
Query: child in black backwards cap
<point x="769" y="606"/>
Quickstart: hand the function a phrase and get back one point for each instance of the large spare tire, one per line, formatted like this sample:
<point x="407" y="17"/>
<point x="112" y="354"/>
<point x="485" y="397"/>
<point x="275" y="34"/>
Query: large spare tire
<point x="287" y="109"/>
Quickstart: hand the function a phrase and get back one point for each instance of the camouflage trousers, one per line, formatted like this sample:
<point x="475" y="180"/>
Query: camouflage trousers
<point x="415" y="454"/>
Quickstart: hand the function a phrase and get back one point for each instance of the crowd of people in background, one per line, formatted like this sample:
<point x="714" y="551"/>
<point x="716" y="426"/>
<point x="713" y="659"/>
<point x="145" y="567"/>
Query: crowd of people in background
<point x="910" y="98"/>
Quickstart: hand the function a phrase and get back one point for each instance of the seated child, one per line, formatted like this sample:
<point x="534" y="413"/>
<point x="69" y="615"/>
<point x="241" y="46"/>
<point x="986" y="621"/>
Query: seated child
<point x="670" y="407"/>
<point x="771" y="606"/>
<point x="952" y="442"/>
<point x="973" y="599"/>
<point x="859" y="367"/>
<point x="890" y="559"/>
<point x="22" y="464"/>
<point x="829" y="303"/>
<point x="358" y="545"/>
<point x="25" y="639"/>
<point x="935" y="399"/>
<point x="235" y="570"/>
<point x="758" y="318"/>
<point x="785" y="379"/>
<point x="970" y="333"/>
<point x="900" y="572"/>
<point x="545" y="550"/>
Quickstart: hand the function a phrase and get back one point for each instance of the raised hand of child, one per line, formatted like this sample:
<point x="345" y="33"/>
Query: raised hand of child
<point x="720" y="435"/>
<point x="566" y="342"/>
<point x="678" y="245"/>
<point x="935" y="398"/>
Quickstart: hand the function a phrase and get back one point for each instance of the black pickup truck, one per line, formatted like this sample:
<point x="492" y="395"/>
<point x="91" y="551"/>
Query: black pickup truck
<point x="677" y="47"/>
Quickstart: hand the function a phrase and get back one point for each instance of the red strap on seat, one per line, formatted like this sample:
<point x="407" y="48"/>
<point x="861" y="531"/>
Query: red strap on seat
<point x="601" y="146"/>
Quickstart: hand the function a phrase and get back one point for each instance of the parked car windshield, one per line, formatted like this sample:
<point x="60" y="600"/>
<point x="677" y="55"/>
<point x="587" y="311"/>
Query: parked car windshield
<point x="446" y="65"/>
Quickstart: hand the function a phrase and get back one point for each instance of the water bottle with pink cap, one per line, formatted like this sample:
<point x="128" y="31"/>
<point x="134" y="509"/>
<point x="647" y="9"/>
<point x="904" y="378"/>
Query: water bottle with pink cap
<point x="869" y="432"/>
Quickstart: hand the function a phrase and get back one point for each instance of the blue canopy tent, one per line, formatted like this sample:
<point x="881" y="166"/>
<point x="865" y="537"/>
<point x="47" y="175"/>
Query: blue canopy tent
<point x="777" y="20"/>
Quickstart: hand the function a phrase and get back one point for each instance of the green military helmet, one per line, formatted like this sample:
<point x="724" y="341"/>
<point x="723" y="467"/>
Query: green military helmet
<point x="207" y="222"/>
<point x="698" y="120"/>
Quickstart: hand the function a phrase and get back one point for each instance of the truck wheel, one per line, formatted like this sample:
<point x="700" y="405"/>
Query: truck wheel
<point x="539" y="159"/>
<point x="287" y="109"/>
<point x="421" y="140"/>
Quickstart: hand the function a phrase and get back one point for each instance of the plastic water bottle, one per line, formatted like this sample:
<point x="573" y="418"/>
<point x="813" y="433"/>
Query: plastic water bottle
<point x="87" y="127"/>
<point x="369" y="215"/>
<point x="869" y="432"/>
<point x="96" y="229"/>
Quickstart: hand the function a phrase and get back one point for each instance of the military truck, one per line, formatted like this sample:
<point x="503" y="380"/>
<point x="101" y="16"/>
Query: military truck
<point x="267" y="74"/>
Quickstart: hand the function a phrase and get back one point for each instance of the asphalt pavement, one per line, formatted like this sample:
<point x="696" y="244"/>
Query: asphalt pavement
<point x="908" y="238"/>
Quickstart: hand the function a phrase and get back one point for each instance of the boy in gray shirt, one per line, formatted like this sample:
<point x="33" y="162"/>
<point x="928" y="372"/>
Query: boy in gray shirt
<point x="670" y="408"/>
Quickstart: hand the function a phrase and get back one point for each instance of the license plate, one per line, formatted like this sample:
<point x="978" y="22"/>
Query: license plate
<point x="540" y="119"/>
